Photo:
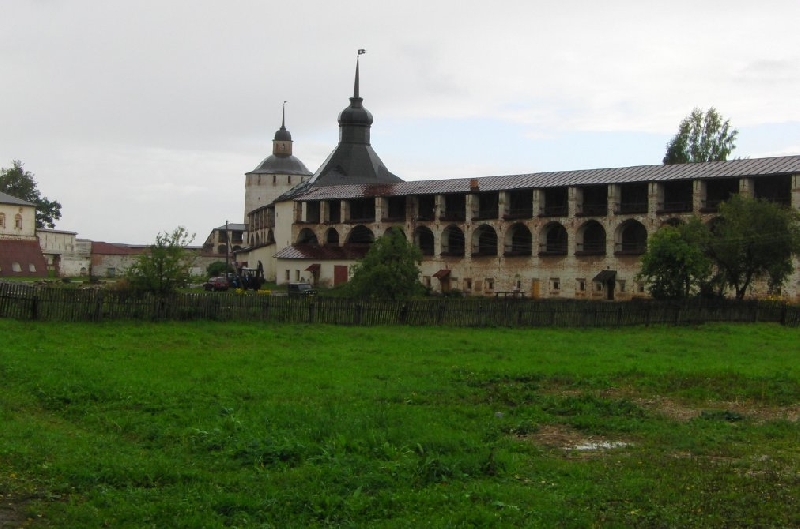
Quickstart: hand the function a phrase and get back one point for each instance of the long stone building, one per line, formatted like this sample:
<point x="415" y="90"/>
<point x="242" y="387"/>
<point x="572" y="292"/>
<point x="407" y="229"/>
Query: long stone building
<point x="572" y="234"/>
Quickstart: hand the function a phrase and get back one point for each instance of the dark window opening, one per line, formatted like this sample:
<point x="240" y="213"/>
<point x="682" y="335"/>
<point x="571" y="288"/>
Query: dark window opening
<point x="423" y="238"/>
<point x="360" y="235"/>
<point x="633" y="239"/>
<point x="633" y="198"/>
<point x="555" y="240"/>
<point x="594" y="202"/>
<point x="484" y="242"/>
<point x="520" y="204"/>
<point x="453" y="242"/>
<point x="332" y="237"/>
<point x="776" y="189"/>
<point x="555" y="202"/>
<point x="455" y="208"/>
<point x="334" y="211"/>
<point x="677" y="197"/>
<point x="594" y="240"/>
<point x="485" y="206"/>
<point x="395" y="209"/>
<point x="426" y="207"/>
<point x="521" y="242"/>
<point x="307" y="236"/>
<point x="718" y="191"/>
<point x="312" y="212"/>
<point x="362" y="210"/>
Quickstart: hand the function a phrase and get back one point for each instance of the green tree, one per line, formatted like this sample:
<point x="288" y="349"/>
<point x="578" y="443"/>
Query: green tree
<point x="217" y="268"/>
<point x="675" y="264"/>
<point x="166" y="265"/>
<point x="754" y="239"/>
<point x="390" y="270"/>
<point x="701" y="138"/>
<point x="19" y="183"/>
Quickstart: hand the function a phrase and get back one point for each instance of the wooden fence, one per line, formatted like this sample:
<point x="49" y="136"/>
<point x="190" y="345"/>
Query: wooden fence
<point x="26" y="302"/>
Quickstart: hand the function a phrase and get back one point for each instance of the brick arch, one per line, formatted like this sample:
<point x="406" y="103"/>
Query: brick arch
<point x="453" y="241"/>
<point x="554" y="239"/>
<point x="332" y="236"/>
<point x="591" y="239"/>
<point x="424" y="240"/>
<point x="360" y="235"/>
<point x="484" y="241"/>
<point x="307" y="236"/>
<point x="518" y="240"/>
<point x="631" y="238"/>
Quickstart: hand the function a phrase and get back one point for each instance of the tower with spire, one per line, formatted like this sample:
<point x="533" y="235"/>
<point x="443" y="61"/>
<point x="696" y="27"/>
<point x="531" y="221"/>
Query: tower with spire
<point x="354" y="161"/>
<point x="276" y="174"/>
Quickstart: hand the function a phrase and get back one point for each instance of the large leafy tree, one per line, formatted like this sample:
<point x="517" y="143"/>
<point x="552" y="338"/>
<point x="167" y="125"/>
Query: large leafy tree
<point x="166" y="265"/>
<point x="754" y="239"/>
<point x="390" y="270"/>
<point x="676" y="264"/>
<point x="19" y="183"/>
<point x="701" y="137"/>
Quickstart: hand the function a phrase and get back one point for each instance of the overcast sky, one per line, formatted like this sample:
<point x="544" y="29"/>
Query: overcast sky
<point x="140" y="116"/>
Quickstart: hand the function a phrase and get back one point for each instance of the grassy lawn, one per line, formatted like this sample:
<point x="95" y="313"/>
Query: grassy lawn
<point x="221" y="425"/>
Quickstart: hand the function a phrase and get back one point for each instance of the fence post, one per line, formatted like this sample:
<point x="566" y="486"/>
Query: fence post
<point x="403" y="313"/>
<point x="783" y="314"/>
<point x="357" y="316"/>
<point x="311" y="309"/>
<point x="98" y="309"/>
<point x="34" y="307"/>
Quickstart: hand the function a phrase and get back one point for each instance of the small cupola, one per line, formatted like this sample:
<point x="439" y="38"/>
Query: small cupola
<point x="282" y="144"/>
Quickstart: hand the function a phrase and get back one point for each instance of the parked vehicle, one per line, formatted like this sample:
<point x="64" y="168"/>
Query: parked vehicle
<point x="216" y="284"/>
<point x="301" y="289"/>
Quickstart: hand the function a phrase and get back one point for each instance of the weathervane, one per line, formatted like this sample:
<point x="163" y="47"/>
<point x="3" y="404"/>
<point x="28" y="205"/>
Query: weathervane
<point x="361" y="51"/>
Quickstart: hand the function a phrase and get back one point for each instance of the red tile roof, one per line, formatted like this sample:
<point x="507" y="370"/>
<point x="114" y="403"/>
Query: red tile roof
<point x="309" y="251"/>
<point x="23" y="253"/>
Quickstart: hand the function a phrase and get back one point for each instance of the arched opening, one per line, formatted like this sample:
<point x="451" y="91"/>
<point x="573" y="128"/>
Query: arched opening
<point x="555" y="240"/>
<point x="484" y="242"/>
<point x="591" y="239"/>
<point x="395" y="228"/>
<point x="307" y="236"/>
<point x="631" y="238"/>
<point x="270" y="237"/>
<point x="360" y="235"/>
<point x="423" y="239"/>
<point x="518" y="241"/>
<point x="332" y="237"/>
<point x="453" y="242"/>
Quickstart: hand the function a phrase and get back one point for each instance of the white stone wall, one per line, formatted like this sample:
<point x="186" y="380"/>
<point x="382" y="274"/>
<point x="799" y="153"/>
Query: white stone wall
<point x="9" y="229"/>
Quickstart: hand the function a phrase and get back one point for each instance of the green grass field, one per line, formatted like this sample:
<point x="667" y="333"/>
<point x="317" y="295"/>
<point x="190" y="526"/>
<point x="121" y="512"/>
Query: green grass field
<point x="220" y="425"/>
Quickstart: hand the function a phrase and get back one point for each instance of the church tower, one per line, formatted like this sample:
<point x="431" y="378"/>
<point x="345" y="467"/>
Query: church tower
<point x="276" y="174"/>
<point x="354" y="161"/>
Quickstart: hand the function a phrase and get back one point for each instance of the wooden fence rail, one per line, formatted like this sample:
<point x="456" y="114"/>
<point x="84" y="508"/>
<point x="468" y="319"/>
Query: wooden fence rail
<point x="26" y="302"/>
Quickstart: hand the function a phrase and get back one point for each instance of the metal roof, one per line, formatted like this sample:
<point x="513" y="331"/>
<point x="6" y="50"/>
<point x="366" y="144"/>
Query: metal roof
<point x="784" y="165"/>
<point x="5" y="198"/>
<point x="281" y="165"/>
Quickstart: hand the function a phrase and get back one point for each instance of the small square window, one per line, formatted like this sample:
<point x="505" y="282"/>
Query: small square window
<point x="581" y="285"/>
<point x="489" y="283"/>
<point x="555" y="283"/>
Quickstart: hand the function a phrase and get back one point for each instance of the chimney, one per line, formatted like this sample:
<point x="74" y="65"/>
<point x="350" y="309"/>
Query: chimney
<point x="473" y="184"/>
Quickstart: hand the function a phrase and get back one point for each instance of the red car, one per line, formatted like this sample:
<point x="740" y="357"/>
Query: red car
<point x="215" y="284"/>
